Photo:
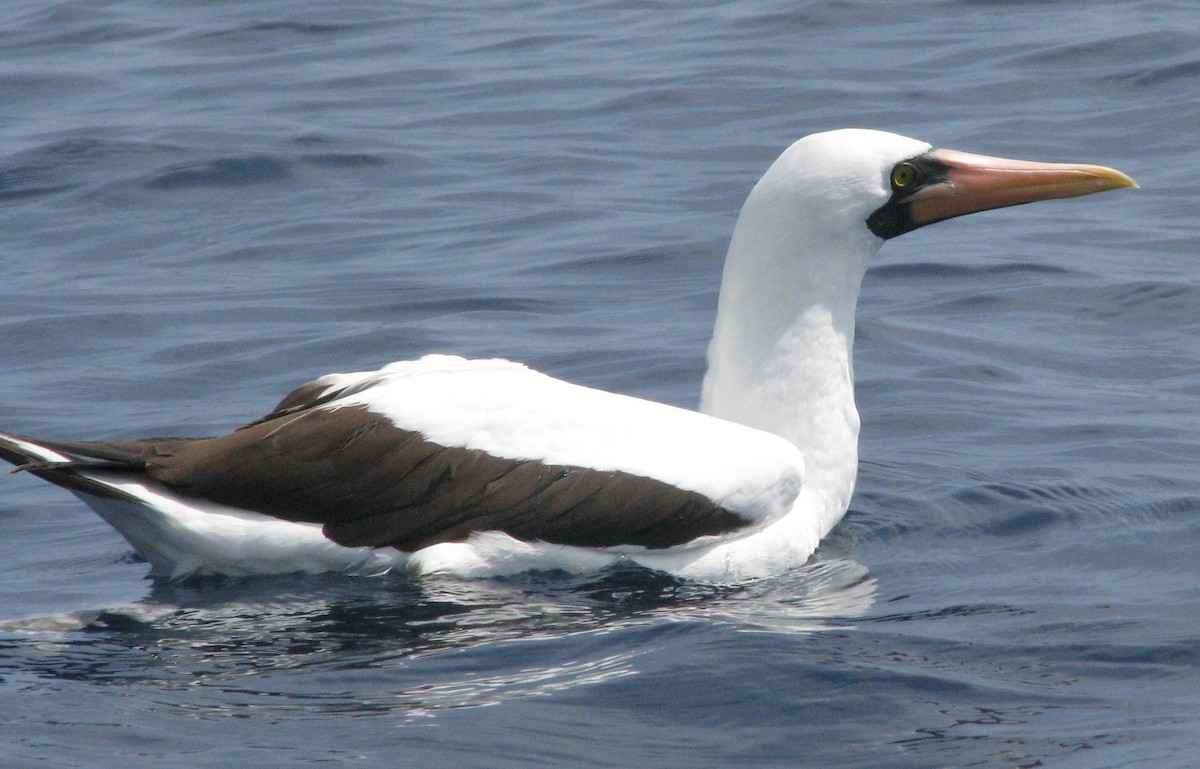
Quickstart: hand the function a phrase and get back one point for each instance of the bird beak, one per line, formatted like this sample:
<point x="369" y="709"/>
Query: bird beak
<point x="977" y="183"/>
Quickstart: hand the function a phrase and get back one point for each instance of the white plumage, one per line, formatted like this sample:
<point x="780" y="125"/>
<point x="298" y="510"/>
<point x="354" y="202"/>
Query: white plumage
<point x="510" y="411"/>
<point x="745" y="489"/>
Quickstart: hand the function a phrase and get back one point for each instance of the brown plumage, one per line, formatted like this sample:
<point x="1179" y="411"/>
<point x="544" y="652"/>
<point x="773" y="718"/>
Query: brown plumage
<point x="369" y="482"/>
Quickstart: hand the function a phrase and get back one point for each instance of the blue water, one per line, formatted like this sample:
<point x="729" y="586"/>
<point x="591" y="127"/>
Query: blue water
<point x="203" y="204"/>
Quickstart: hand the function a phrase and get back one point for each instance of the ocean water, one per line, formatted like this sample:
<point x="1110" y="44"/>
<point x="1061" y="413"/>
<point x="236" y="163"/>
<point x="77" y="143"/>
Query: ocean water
<point x="203" y="204"/>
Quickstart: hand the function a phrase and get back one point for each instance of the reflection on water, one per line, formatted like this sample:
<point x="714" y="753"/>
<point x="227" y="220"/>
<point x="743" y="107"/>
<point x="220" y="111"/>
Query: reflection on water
<point x="393" y="644"/>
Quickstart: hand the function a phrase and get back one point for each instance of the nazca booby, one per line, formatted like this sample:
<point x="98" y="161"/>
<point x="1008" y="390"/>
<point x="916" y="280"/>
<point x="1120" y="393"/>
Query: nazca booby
<point x="483" y="467"/>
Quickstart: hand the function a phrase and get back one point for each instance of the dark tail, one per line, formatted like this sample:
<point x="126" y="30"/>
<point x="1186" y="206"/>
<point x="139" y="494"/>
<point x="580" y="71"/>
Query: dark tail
<point x="33" y="455"/>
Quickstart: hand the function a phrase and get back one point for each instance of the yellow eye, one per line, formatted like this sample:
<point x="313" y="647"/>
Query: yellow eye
<point x="903" y="175"/>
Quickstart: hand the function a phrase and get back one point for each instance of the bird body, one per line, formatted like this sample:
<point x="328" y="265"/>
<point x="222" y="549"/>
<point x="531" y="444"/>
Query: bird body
<point x="485" y="467"/>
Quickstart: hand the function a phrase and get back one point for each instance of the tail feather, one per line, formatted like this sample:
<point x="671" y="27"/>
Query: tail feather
<point x="117" y="453"/>
<point x="181" y="536"/>
<point x="63" y="463"/>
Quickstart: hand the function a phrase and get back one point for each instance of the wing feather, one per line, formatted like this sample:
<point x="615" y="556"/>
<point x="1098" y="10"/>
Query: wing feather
<point x="339" y="452"/>
<point x="371" y="483"/>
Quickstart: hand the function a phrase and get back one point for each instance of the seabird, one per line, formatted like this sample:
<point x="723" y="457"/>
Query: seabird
<point x="485" y="467"/>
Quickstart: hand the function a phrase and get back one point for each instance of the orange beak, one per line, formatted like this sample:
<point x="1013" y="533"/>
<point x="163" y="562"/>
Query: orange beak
<point x="978" y="183"/>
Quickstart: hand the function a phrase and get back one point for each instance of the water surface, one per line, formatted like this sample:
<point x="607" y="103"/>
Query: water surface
<point x="205" y="204"/>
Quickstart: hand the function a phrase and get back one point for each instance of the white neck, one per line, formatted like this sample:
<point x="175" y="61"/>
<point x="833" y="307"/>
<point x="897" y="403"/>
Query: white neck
<point x="781" y="354"/>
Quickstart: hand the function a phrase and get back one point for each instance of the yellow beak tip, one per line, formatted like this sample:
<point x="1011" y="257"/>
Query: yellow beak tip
<point x="1114" y="180"/>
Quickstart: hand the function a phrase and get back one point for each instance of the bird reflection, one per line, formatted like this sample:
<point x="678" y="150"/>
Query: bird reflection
<point x="414" y="647"/>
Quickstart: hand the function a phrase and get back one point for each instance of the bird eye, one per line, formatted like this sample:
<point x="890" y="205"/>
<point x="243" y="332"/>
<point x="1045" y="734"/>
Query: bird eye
<point x="903" y="175"/>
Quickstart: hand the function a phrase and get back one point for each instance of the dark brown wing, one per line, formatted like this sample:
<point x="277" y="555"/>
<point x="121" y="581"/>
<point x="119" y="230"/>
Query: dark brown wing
<point x="369" y="482"/>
